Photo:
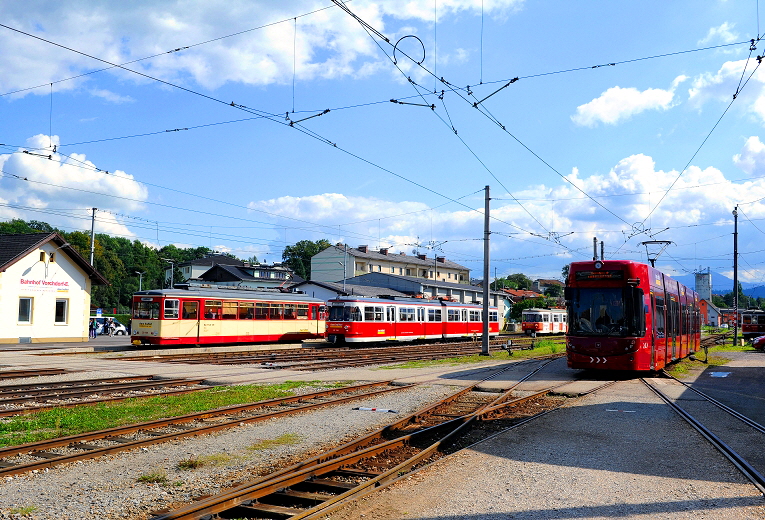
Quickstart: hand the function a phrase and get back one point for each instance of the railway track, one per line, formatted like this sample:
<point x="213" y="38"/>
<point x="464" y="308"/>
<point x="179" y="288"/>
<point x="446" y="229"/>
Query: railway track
<point x="31" y="372"/>
<point x="45" y="454"/>
<point x="734" y="435"/>
<point x="33" y="397"/>
<point x="317" y="359"/>
<point x="323" y="483"/>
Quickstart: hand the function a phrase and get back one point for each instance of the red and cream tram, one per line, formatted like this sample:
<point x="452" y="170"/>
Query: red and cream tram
<point x="357" y="320"/>
<point x="752" y="323"/>
<point x="625" y="315"/>
<point x="217" y="315"/>
<point x="544" y="321"/>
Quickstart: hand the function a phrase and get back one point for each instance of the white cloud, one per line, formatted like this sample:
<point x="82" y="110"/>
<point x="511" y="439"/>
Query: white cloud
<point x="752" y="157"/>
<point x="618" y="104"/>
<point x="328" y="43"/>
<point x="722" y="34"/>
<point x="66" y="187"/>
<point x="111" y="97"/>
<point x="722" y="85"/>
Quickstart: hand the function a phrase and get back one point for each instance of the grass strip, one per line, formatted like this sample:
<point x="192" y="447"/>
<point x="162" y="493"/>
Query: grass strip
<point x="61" y="422"/>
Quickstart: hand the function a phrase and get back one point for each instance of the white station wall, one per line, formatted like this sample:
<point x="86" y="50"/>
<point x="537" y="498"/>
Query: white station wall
<point x="44" y="282"/>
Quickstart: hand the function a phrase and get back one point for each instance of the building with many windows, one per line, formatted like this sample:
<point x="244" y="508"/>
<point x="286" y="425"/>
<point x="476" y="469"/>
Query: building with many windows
<point x="45" y="287"/>
<point x="343" y="262"/>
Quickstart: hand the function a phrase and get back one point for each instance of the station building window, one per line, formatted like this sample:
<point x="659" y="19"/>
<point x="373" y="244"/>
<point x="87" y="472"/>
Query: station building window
<point x="25" y="310"/>
<point x="62" y="311"/>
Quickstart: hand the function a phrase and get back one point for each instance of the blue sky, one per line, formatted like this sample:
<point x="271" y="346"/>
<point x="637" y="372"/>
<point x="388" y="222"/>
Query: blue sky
<point x="611" y="130"/>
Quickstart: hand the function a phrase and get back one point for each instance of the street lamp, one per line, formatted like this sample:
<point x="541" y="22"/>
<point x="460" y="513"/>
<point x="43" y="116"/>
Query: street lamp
<point x="140" y="280"/>
<point x="172" y="268"/>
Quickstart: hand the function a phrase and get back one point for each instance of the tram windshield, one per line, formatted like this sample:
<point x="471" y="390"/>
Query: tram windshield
<point x="606" y="312"/>
<point x="344" y="313"/>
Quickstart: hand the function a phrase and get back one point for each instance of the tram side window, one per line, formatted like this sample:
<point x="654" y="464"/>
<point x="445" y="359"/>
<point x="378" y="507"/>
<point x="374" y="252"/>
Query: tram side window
<point x="747" y="319"/>
<point x="171" y="309"/>
<point x="146" y="310"/>
<point x="453" y="315"/>
<point x="464" y="315"/>
<point x="275" y="311"/>
<point x="261" y="311"/>
<point x="761" y="320"/>
<point x="213" y="309"/>
<point x="545" y="318"/>
<point x="658" y="318"/>
<point x="230" y="310"/>
<point x="373" y="313"/>
<point x="493" y="316"/>
<point x="420" y="314"/>
<point x="290" y="311"/>
<point x="390" y="314"/>
<point x="556" y="318"/>
<point x="302" y="311"/>
<point x="406" y="314"/>
<point x="246" y="310"/>
<point x="434" y="315"/>
<point x="475" y="316"/>
<point x="190" y="310"/>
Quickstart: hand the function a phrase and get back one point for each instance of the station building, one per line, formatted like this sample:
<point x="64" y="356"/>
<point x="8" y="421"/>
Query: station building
<point x="45" y="287"/>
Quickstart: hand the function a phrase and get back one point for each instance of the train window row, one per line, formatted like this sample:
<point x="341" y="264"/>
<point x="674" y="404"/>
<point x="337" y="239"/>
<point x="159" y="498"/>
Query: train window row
<point x="224" y="310"/>
<point x="373" y="313"/>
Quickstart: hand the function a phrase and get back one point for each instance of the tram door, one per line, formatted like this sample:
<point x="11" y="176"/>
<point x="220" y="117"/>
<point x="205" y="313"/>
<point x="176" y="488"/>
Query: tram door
<point x="190" y="320"/>
<point x="390" y="318"/>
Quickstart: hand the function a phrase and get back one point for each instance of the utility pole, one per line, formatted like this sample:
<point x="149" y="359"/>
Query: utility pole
<point x="486" y="274"/>
<point x="735" y="275"/>
<point x="345" y="263"/>
<point x="93" y="235"/>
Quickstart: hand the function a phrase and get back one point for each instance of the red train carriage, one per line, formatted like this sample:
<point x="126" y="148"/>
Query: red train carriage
<point x="218" y="315"/>
<point x="752" y="323"/>
<point x="357" y="320"/>
<point x="544" y="321"/>
<point x="626" y="315"/>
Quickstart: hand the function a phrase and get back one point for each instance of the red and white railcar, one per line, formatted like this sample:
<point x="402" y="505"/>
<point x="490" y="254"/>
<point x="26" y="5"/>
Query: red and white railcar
<point x="358" y="320"/>
<point x="218" y="315"/>
<point x="752" y="323"/>
<point x="544" y="321"/>
<point x="625" y="315"/>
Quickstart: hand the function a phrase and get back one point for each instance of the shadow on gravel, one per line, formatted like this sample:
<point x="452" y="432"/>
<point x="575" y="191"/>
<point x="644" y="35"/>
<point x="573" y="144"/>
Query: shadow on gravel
<point x="741" y="388"/>
<point x="613" y="510"/>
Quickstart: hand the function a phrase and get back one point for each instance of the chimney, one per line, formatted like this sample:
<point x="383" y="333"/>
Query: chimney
<point x="363" y="249"/>
<point x="422" y="257"/>
<point x="441" y="259"/>
<point x="384" y="252"/>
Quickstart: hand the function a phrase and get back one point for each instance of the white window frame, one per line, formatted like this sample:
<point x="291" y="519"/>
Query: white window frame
<point x="31" y="310"/>
<point x="66" y="311"/>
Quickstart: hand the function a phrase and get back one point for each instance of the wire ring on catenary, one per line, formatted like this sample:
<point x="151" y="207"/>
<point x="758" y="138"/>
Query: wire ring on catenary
<point x="399" y="41"/>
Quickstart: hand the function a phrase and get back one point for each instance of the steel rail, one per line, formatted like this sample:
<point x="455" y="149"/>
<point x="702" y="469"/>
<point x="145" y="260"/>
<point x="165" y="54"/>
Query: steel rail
<point x="741" y="417"/>
<point x="32" y="372"/>
<point x="359" y="447"/>
<point x="79" y="441"/>
<point x="57" y="393"/>
<point x="743" y="466"/>
<point x="68" y="384"/>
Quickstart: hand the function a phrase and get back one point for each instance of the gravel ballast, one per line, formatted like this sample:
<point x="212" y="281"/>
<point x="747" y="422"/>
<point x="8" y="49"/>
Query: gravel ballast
<point x="108" y="487"/>
<point x="619" y="453"/>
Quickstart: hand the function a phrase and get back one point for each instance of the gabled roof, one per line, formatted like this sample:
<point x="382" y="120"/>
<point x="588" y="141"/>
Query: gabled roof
<point x="400" y="258"/>
<point x="213" y="260"/>
<point x="522" y="293"/>
<point x="14" y="247"/>
<point x="352" y="289"/>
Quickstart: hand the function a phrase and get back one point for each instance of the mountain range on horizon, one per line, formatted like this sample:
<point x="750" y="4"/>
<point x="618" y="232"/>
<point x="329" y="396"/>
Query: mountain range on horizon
<point x="721" y="284"/>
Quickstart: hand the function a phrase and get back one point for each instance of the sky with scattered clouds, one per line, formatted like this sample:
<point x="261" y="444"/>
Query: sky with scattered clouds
<point x="245" y="126"/>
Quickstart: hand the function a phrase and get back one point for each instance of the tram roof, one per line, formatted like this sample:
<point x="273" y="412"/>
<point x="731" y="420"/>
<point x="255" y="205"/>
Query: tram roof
<point x="232" y="293"/>
<point x="388" y="301"/>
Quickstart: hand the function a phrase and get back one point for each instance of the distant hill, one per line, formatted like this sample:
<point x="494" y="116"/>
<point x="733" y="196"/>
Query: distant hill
<point x="721" y="284"/>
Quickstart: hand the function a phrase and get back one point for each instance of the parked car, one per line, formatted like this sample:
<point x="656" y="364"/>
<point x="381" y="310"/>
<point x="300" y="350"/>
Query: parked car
<point x="119" y="328"/>
<point x="759" y="343"/>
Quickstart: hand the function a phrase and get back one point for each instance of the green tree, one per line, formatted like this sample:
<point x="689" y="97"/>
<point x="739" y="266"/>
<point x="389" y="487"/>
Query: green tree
<point x="521" y="280"/>
<point x="298" y="256"/>
<point x="718" y="301"/>
<point x="564" y="272"/>
<point x="554" y="291"/>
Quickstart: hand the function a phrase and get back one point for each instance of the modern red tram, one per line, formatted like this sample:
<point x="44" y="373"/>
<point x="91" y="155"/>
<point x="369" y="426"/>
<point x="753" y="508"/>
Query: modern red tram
<point x="358" y="320"/>
<point x="218" y="315"/>
<point x="544" y="321"/>
<point x="625" y="315"/>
